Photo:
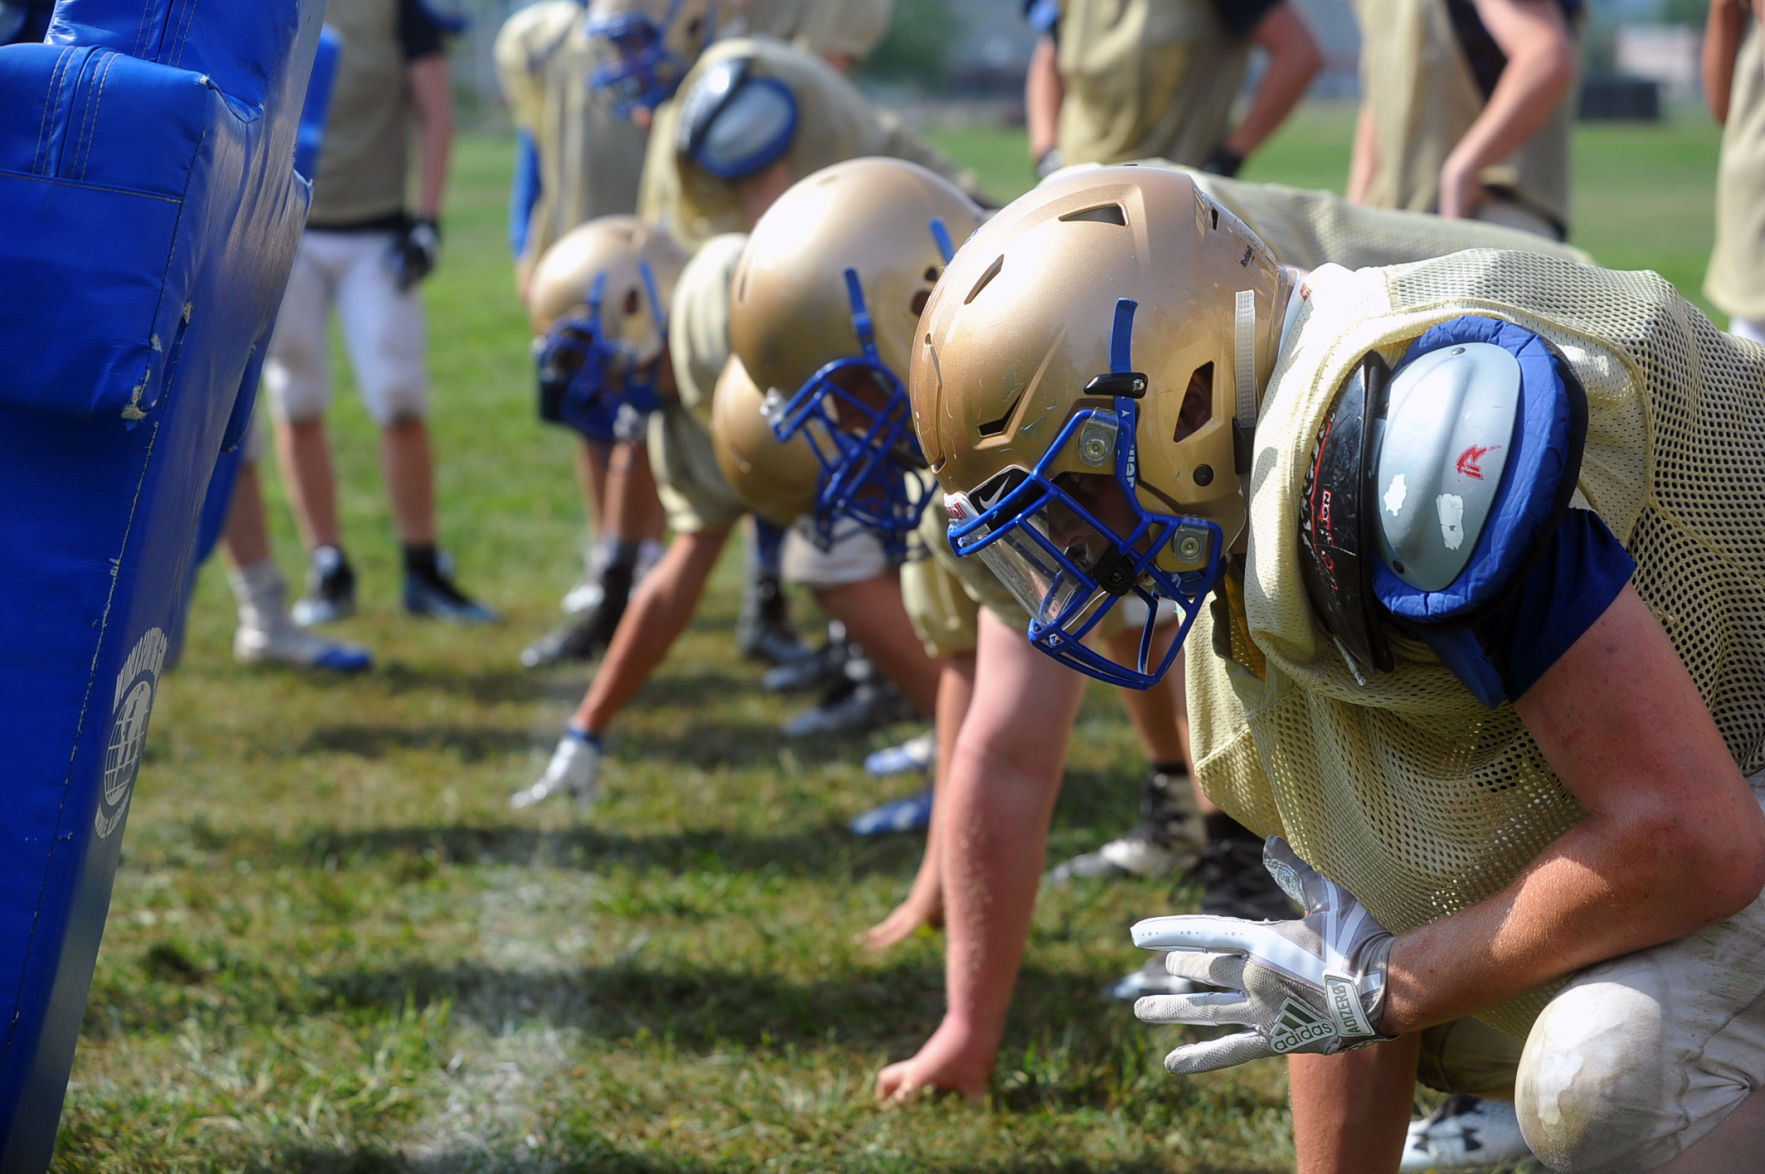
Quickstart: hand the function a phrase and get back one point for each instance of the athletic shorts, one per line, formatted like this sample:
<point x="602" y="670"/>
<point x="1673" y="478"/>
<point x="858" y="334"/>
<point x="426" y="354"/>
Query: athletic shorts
<point x="1751" y="329"/>
<point x="857" y="556"/>
<point x="383" y="331"/>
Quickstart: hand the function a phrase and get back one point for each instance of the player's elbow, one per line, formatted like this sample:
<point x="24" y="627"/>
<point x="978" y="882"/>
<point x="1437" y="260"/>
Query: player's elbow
<point x="1304" y="58"/>
<point x="1708" y="862"/>
<point x="1557" y="64"/>
<point x="1293" y="50"/>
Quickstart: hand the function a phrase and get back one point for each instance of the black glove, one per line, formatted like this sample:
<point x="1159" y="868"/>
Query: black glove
<point x="415" y="252"/>
<point x="1223" y="161"/>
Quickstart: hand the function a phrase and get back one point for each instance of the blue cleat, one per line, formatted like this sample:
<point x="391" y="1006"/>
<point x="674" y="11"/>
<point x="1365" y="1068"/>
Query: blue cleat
<point x="911" y="813"/>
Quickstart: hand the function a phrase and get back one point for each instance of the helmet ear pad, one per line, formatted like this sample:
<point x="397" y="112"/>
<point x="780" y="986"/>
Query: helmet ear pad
<point x="734" y="124"/>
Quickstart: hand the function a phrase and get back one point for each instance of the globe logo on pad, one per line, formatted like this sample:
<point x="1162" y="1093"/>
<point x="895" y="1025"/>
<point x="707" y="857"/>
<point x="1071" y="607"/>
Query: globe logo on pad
<point x="136" y="685"/>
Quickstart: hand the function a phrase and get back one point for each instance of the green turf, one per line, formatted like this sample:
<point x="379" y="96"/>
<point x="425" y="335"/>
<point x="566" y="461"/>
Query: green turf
<point x="333" y="948"/>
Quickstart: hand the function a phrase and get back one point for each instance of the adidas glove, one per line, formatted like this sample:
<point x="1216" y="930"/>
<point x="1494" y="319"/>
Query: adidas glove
<point x="415" y="252"/>
<point x="1313" y="985"/>
<point x="574" y="771"/>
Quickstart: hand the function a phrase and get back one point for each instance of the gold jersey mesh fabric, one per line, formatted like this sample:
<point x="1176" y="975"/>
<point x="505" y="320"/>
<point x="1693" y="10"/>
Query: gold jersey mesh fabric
<point x="1405" y="789"/>
<point x="694" y="491"/>
<point x="1309" y="228"/>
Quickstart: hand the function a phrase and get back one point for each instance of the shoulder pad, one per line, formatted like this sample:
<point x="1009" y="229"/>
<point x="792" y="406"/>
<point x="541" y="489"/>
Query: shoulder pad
<point x="733" y="122"/>
<point x="1478" y="456"/>
<point x="1336" y="519"/>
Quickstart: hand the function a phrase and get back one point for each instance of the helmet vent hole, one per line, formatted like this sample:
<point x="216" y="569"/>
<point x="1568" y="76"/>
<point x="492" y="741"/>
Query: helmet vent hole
<point x="1215" y="214"/>
<point x="633" y="300"/>
<point x="995" y="427"/>
<point x="919" y="301"/>
<point x="986" y="279"/>
<point x="931" y="274"/>
<point x="1197" y="409"/>
<point x="1100" y="214"/>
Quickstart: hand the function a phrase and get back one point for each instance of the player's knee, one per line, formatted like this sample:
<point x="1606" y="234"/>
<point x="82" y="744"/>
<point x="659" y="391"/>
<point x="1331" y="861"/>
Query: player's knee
<point x="295" y="397"/>
<point x="400" y="406"/>
<point x="1593" y="1090"/>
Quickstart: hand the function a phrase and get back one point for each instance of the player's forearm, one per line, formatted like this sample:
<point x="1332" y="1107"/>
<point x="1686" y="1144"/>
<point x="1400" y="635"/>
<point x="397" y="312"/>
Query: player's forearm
<point x="431" y="91"/>
<point x="1722" y="37"/>
<point x="658" y="612"/>
<point x="1294" y="59"/>
<point x="1043" y="92"/>
<point x="994" y="833"/>
<point x="1540" y="69"/>
<point x="1365" y="159"/>
<point x="1609" y="886"/>
<point x="955" y="691"/>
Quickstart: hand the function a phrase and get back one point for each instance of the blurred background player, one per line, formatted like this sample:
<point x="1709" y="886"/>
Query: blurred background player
<point x="364" y="252"/>
<point x="577" y="160"/>
<point x="1465" y="109"/>
<point x="1734" y="87"/>
<point x="1112" y="81"/>
<point x="267" y="634"/>
<point x="735" y="122"/>
<point x="666" y="350"/>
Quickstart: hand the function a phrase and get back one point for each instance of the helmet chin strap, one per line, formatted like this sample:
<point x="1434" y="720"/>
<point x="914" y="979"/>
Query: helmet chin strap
<point x="1244" y="358"/>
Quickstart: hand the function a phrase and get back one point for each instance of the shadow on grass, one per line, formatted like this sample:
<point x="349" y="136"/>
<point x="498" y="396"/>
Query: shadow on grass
<point x="489" y="685"/>
<point x="821" y="849"/>
<point x="700" y="1009"/>
<point x="606" y="1158"/>
<point x="710" y="743"/>
<point x="375" y="740"/>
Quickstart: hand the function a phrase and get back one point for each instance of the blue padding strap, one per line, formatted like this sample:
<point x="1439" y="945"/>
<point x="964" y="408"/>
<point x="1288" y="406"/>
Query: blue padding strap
<point x="523" y="191"/>
<point x="1121" y="337"/>
<point x="311" y="136"/>
<point x="1543" y="461"/>
<point x="941" y="235"/>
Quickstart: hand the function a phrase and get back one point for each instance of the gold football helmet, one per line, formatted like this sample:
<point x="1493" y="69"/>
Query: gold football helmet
<point x="776" y="478"/>
<point x="824" y="308"/>
<point x="1085" y="385"/>
<point x="656" y="42"/>
<point x="599" y="306"/>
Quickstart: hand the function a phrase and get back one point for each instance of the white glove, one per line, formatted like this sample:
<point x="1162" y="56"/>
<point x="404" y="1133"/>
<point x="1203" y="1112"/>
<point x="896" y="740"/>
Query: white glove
<point x="1314" y="985"/>
<point x="575" y="770"/>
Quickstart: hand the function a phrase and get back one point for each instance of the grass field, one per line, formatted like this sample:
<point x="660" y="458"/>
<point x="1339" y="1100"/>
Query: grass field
<point x="333" y="948"/>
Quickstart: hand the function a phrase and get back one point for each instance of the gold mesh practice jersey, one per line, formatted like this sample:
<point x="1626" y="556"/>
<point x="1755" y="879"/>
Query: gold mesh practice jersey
<point x="1145" y="78"/>
<point x="590" y="159"/>
<point x="1405" y="789"/>
<point x="694" y="491"/>
<point x="827" y="28"/>
<point x="1311" y="228"/>
<point x="361" y="172"/>
<point x="1735" y="280"/>
<point x="835" y="122"/>
<point x="1418" y="83"/>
